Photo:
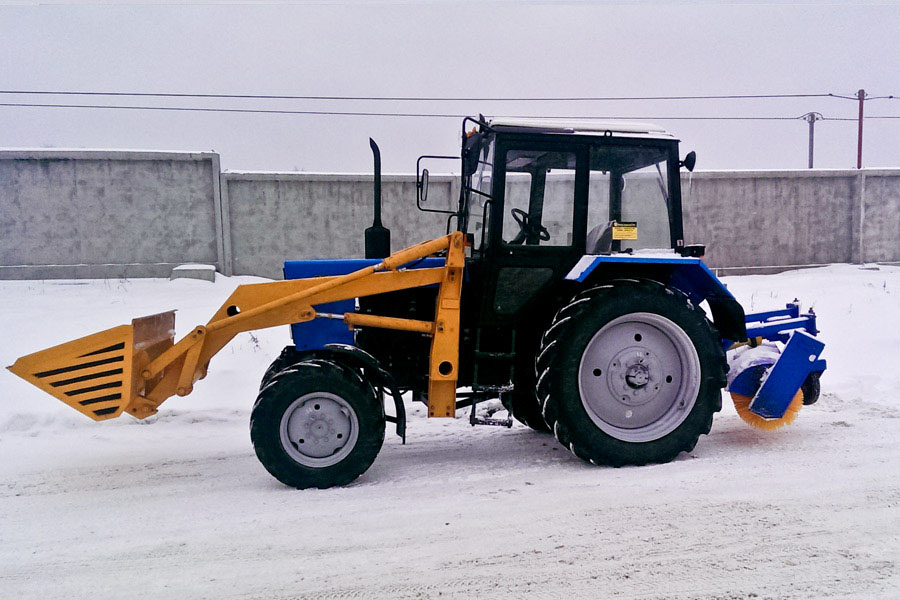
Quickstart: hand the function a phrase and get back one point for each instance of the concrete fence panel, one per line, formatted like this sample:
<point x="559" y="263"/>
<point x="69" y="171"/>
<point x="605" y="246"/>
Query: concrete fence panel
<point x="272" y="217"/>
<point x="107" y="214"/>
<point x="773" y="218"/>
<point x="79" y="214"/>
<point x="880" y="218"/>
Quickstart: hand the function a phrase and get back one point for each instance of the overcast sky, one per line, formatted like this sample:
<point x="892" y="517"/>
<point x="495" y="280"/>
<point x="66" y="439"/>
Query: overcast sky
<point x="439" y="48"/>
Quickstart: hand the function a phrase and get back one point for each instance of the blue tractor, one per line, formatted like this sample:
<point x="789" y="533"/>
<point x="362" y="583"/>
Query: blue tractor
<point x="581" y="307"/>
<point x="564" y="289"/>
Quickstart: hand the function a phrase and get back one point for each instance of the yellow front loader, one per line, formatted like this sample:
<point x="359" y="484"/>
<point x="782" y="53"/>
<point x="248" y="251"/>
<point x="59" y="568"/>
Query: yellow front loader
<point x="135" y="368"/>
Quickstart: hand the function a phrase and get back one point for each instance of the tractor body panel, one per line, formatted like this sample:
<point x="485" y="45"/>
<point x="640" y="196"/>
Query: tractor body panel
<point x="688" y="274"/>
<point x="314" y="335"/>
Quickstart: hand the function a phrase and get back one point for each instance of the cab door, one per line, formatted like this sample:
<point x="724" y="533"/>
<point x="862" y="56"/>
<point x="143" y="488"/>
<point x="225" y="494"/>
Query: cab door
<point x="537" y="223"/>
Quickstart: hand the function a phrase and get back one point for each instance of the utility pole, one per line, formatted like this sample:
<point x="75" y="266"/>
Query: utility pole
<point x="811" y="118"/>
<point x="861" y="94"/>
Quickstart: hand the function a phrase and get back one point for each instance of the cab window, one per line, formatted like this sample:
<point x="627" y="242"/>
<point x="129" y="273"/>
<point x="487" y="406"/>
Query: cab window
<point x="539" y="198"/>
<point x="628" y="184"/>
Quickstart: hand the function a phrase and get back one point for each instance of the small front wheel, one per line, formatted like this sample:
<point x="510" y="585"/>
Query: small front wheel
<point x="289" y="356"/>
<point x="317" y="424"/>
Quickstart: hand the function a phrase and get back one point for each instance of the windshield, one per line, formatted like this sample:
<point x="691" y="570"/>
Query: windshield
<point x="628" y="184"/>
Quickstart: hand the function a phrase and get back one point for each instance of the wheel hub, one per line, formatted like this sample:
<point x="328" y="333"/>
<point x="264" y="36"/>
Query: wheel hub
<point x="633" y="376"/>
<point x="639" y="377"/>
<point x="319" y="429"/>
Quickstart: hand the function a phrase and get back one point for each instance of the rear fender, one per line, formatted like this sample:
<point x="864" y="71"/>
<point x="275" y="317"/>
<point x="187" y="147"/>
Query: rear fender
<point x="689" y="275"/>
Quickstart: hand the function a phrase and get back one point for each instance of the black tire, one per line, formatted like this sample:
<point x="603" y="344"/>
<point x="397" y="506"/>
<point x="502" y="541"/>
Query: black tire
<point x="811" y="388"/>
<point x="525" y="408"/>
<point x="289" y="356"/>
<point x="522" y="403"/>
<point x="289" y="407"/>
<point x="574" y="330"/>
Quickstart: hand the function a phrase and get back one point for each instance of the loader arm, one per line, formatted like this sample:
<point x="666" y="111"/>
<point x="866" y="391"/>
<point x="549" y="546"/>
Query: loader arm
<point x="135" y="368"/>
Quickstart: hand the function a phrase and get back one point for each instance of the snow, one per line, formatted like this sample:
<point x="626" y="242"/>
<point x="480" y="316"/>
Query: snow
<point x="178" y="506"/>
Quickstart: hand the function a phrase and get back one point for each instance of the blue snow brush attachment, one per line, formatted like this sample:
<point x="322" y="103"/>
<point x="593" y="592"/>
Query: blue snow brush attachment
<point x="766" y="382"/>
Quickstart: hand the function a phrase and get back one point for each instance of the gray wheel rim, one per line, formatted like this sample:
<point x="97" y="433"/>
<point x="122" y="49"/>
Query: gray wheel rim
<point x="639" y="377"/>
<point x="319" y="429"/>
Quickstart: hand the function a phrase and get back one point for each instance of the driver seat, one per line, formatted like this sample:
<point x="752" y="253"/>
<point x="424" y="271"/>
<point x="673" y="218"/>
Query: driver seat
<point x="599" y="239"/>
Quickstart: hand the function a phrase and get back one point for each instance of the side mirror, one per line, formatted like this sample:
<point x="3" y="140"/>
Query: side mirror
<point x="422" y="184"/>
<point x="690" y="161"/>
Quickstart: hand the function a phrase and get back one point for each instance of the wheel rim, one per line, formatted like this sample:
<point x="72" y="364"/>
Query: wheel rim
<point x="319" y="429"/>
<point x="639" y="377"/>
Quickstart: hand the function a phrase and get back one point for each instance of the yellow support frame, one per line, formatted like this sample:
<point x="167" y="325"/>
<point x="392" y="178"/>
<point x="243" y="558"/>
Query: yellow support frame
<point x="156" y="369"/>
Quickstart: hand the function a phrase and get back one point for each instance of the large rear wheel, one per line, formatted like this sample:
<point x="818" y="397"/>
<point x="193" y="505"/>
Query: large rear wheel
<point x="522" y="403"/>
<point x="317" y="424"/>
<point x="524" y="406"/>
<point x="630" y="373"/>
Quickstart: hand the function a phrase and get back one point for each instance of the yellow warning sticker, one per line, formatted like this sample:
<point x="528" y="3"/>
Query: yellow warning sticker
<point x="624" y="231"/>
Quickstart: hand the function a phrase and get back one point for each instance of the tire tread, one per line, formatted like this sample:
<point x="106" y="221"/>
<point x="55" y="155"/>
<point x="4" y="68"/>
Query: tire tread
<point x="549" y="354"/>
<point x="303" y="377"/>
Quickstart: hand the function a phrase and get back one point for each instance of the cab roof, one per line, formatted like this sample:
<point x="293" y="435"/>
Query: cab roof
<point x="580" y="126"/>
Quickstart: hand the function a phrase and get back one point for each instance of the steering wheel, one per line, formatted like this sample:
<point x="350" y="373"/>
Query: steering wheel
<point x="529" y="230"/>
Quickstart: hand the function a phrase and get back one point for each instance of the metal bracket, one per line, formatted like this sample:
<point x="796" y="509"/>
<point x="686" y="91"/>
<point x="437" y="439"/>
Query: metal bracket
<point x="799" y="359"/>
<point x="479" y="395"/>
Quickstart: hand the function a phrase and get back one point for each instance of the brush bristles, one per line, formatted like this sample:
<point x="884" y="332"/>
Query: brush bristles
<point x="742" y="404"/>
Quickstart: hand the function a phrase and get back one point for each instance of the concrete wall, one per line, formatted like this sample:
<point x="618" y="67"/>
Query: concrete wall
<point x="83" y="214"/>
<point x="879" y="219"/>
<point x="785" y="218"/>
<point x="271" y="217"/>
<point x="73" y="214"/>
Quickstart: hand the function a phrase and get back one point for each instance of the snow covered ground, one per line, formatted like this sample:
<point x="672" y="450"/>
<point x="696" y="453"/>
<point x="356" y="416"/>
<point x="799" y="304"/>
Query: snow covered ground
<point x="178" y="507"/>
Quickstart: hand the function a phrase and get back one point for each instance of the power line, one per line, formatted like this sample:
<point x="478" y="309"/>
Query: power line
<point x="427" y="98"/>
<point x="855" y="119"/>
<point x="408" y="114"/>
<point x="366" y="114"/>
<point x="241" y="110"/>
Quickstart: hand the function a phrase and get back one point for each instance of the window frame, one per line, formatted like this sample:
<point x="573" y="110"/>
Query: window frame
<point x="504" y="144"/>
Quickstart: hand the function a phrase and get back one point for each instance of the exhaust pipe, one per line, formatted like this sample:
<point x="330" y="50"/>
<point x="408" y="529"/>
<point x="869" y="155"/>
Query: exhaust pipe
<point x="378" y="238"/>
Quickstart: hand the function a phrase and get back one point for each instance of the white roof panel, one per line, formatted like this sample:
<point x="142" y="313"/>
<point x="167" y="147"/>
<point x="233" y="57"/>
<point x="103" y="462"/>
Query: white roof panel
<point x="587" y="126"/>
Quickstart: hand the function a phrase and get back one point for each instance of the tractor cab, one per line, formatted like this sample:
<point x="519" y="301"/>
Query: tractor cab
<point x="539" y="195"/>
<point x="537" y="198"/>
<point x="586" y="186"/>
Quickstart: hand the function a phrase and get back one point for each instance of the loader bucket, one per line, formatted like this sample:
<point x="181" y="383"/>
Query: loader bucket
<point x="100" y="375"/>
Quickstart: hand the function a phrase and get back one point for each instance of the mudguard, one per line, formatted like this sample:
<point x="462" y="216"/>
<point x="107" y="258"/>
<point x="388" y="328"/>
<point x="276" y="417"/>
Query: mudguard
<point x="358" y="358"/>
<point x="690" y="275"/>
